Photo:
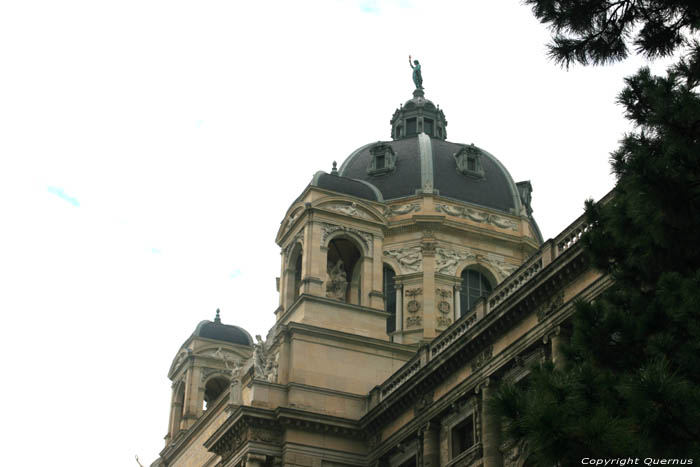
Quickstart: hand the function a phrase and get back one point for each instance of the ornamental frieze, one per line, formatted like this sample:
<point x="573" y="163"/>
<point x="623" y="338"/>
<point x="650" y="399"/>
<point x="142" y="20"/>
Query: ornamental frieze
<point x="477" y="216"/>
<point x="366" y="237"/>
<point x="410" y="259"/>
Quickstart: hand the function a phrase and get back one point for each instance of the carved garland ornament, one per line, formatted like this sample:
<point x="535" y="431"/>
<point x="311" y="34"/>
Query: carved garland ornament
<point x="413" y="321"/>
<point x="400" y="210"/>
<point x="413" y="305"/>
<point x="327" y="229"/>
<point x="476" y="216"/>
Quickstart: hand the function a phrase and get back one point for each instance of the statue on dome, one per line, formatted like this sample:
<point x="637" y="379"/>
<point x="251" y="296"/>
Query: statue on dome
<point x="417" y="76"/>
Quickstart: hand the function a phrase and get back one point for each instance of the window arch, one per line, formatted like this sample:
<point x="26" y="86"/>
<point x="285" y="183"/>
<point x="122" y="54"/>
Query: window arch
<point x="344" y="269"/>
<point x="297" y="276"/>
<point x="389" y="291"/>
<point x="213" y="390"/>
<point x="474" y="286"/>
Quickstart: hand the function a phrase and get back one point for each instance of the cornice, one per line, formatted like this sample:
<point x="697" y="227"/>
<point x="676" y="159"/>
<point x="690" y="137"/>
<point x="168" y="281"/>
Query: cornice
<point x="315" y="331"/>
<point x="497" y="365"/>
<point x="481" y="334"/>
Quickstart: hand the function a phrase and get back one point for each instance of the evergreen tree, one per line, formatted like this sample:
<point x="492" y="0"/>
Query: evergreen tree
<point x="631" y="382"/>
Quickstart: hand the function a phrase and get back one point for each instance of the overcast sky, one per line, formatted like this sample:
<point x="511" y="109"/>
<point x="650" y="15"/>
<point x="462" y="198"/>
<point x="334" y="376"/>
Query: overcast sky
<point x="150" y="149"/>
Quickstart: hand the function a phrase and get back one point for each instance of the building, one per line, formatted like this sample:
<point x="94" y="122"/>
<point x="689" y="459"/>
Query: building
<point x="413" y="278"/>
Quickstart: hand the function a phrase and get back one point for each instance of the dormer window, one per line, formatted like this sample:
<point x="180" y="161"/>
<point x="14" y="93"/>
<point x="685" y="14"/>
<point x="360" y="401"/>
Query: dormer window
<point x="469" y="161"/>
<point x="428" y="126"/>
<point x="411" y="126"/>
<point x="383" y="159"/>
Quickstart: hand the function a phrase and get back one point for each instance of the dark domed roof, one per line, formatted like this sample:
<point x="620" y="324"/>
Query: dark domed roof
<point x="425" y="164"/>
<point x="222" y="332"/>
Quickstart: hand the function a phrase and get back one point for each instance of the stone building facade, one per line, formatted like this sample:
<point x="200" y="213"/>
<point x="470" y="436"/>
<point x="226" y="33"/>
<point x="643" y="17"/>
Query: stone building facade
<point x="413" y="279"/>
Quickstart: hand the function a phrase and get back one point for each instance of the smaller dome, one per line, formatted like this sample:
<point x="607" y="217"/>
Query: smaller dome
<point x="222" y="332"/>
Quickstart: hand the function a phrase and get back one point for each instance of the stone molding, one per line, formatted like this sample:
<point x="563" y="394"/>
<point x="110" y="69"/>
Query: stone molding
<point x="366" y="238"/>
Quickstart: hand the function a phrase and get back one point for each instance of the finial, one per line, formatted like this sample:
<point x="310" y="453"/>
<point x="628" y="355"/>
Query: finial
<point x="334" y="171"/>
<point x="217" y="319"/>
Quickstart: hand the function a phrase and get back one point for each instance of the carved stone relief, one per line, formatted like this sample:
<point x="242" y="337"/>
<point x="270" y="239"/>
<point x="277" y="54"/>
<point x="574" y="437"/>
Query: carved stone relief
<point x="367" y="238"/>
<point x="443" y="321"/>
<point x="400" y="210"/>
<point x="550" y="306"/>
<point x="483" y="357"/>
<point x="446" y="261"/>
<point x="337" y="284"/>
<point x="477" y="216"/>
<point x="412" y="304"/>
<point x="348" y="210"/>
<point x="496" y="261"/>
<point x="410" y="259"/>
<point x="423" y="401"/>
<point x="413" y="321"/>
<point x="265" y="365"/>
<point x="444" y="307"/>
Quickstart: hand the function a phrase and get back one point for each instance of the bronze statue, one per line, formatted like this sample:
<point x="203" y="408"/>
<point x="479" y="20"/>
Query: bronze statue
<point x="417" y="76"/>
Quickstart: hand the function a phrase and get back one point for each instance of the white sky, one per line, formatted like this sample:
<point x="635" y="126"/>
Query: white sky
<point x="149" y="150"/>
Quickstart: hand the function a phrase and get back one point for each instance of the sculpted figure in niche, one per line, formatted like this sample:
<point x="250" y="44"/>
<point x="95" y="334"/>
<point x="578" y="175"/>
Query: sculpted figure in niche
<point x="337" y="283"/>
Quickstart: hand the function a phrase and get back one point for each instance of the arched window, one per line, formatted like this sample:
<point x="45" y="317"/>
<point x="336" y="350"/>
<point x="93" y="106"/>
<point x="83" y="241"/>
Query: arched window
<point x="213" y="390"/>
<point x="389" y="291"/>
<point x="297" y="275"/>
<point x="474" y="286"/>
<point x="344" y="268"/>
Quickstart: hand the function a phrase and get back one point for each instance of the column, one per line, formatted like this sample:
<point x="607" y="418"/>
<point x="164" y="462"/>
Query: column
<point x="313" y="264"/>
<point x="431" y="445"/>
<point x="399" y="307"/>
<point x="254" y="460"/>
<point x="490" y="430"/>
<point x="428" y="311"/>
<point x="557" y="338"/>
<point x="458" y="302"/>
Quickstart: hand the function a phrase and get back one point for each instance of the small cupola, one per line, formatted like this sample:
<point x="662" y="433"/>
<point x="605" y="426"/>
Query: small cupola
<point x="418" y="115"/>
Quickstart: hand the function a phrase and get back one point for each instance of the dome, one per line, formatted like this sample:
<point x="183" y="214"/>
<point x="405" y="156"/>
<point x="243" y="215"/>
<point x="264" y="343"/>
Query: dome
<point x="425" y="164"/>
<point x="419" y="159"/>
<point x="222" y="332"/>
